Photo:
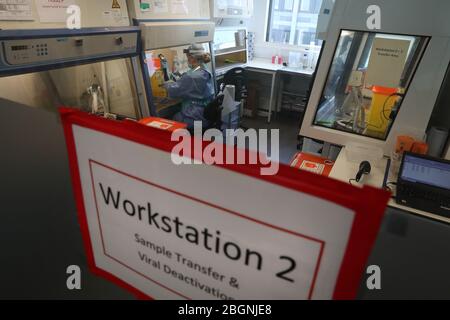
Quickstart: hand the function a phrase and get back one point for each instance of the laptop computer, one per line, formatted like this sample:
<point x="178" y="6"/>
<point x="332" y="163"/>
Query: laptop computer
<point x="424" y="184"/>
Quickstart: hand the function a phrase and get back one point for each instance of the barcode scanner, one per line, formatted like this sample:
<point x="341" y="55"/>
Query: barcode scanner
<point x="364" y="169"/>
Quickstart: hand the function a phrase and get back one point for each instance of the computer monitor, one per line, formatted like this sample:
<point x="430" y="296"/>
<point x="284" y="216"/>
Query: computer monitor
<point x="425" y="170"/>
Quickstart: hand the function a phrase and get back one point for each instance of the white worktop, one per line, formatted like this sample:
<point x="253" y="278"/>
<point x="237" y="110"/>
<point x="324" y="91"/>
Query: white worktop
<point x="345" y="170"/>
<point x="264" y="64"/>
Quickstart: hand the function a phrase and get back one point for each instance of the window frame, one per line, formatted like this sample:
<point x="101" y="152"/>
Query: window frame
<point x="411" y="73"/>
<point x="267" y="27"/>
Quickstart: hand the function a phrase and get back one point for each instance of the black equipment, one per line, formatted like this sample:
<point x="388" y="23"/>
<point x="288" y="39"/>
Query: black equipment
<point x="364" y="168"/>
<point x="424" y="184"/>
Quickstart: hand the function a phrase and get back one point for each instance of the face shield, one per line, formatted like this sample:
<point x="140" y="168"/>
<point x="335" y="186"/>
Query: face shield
<point x="195" y="52"/>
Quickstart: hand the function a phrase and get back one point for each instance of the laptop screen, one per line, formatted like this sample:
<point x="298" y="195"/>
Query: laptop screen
<point x="425" y="171"/>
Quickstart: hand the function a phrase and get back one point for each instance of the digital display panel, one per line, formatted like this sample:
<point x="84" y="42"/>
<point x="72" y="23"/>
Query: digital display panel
<point x="19" y="48"/>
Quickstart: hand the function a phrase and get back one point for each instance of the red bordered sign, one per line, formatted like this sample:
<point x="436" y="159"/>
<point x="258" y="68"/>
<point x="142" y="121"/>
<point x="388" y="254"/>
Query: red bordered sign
<point x="169" y="231"/>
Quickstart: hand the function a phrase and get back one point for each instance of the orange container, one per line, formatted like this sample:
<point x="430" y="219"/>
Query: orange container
<point x="156" y="81"/>
<point x="382" y="104"/>
<point x="420" y="147"/>
<point x="404" y="144"/>
<point x="156" y="63"/>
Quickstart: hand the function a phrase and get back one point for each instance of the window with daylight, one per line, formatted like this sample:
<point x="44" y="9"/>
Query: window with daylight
<point x="293" y="22"/>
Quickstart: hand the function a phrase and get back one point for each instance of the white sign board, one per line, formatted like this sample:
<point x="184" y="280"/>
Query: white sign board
<point x="207" y="232"/>
<point x="18" y="10"/>
<point x="387" y="62"/>
<point x="53" y="11"/>
<point x="169" y="9"/>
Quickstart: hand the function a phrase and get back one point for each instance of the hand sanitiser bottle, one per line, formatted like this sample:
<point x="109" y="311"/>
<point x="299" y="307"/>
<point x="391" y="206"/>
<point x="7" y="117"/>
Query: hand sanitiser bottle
<point x="305" y="59"/>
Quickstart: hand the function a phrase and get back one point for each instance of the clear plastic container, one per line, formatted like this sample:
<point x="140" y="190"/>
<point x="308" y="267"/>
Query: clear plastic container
<point x="295" y="58"/>
<point x="305" y="59"/>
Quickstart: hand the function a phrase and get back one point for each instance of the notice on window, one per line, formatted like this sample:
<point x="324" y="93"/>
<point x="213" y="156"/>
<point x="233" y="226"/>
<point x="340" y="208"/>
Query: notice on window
<point x="53" y="12"/>
<point x="179" y="7"/>
<point x="18" y="10"/>
<point x="387" y="62"/>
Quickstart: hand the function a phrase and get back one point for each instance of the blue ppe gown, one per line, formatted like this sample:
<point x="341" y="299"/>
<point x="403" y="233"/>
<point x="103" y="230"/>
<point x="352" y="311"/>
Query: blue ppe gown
<point x="196" y="89"/>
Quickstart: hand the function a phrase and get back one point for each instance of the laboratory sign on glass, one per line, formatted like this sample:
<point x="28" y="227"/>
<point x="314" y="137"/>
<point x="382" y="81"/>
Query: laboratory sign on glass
<point x="368" y="80"/>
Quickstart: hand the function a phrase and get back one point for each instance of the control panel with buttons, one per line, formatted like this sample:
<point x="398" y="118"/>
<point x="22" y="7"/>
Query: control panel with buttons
<point x="51" y="49"/>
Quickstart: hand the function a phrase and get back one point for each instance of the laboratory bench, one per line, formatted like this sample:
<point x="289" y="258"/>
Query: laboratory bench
<point x="276" y="72"/>
<point x="345" y="170"/>
<point x="411" y="247"/>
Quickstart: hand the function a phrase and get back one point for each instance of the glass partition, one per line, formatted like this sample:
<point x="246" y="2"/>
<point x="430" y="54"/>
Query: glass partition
<point x="164" y="65"/>
<point x="103" y="87"/>
<point x="226" y="41"/>
<point x="367" y="81"/>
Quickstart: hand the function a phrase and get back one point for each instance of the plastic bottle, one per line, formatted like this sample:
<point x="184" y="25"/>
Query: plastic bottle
<point x="274" y="59"/>
<point x="311" y="55"/>
<point x="305" y="59"/>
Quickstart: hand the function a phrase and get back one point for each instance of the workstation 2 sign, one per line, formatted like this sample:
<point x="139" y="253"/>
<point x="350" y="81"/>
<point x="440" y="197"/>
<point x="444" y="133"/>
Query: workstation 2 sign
<point x="213" y="232"/>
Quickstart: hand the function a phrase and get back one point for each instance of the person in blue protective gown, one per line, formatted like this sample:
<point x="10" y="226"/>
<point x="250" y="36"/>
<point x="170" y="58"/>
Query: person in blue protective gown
<point x="195" y="88"/>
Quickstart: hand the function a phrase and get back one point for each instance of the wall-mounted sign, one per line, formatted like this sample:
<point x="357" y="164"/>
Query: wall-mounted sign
<point x="53" y="11"/>
<point x="115" y="4"/>
<point x="213" y="232"/>
<point x="161" y="6"/>
<point x="19" y="10"/>
<point x="145" y="5"/>
<point x="179" y="7"/>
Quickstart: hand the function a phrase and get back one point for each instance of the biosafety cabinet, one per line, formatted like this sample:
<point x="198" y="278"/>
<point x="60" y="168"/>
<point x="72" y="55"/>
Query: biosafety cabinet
<point x="168" y="28"/>
<point x="379" y="78"/>
<point x="92" y="69"/>
<point x="163" y="57"/>
<point x="44" y="65"/>
<point x="96" y="70"/>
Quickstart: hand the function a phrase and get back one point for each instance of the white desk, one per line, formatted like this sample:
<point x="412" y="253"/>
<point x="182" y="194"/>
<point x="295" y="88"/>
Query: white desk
<point x="266" y="66"/>
<point x="345" y="170"/>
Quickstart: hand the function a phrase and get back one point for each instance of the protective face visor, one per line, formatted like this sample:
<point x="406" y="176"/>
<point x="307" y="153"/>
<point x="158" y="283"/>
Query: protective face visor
<point x="194" y="51"/>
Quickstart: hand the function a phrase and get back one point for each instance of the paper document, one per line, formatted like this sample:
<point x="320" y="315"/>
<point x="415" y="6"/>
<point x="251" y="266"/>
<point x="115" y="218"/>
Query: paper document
<point x="16" y="10"/>
<point x="387" y="62"/>
<point x="51" y="11"/>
